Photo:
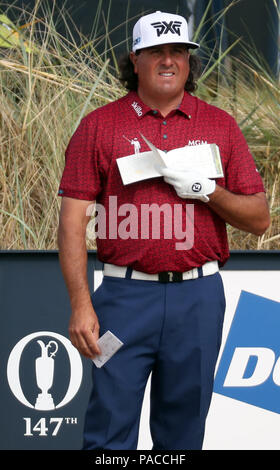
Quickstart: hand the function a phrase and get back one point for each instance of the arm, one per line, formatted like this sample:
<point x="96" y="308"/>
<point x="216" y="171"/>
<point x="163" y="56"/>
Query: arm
<point x="245" y="212"/>
<point x="84" y="325"/>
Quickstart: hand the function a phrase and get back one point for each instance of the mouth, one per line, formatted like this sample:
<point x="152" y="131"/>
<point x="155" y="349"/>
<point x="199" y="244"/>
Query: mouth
<point x="166" y="74"/>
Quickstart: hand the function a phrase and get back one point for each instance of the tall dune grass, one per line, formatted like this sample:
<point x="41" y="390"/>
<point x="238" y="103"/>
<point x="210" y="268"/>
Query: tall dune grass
<point x="49" y="82"/>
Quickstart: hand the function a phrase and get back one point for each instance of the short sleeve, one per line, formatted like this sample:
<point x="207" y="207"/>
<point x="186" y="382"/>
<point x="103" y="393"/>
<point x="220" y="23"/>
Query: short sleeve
<point x="242" y="176"/>
<point x="81" y="177"/>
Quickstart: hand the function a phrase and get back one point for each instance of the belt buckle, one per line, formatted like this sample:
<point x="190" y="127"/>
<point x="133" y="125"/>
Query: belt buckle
<point x="170" y="276"/>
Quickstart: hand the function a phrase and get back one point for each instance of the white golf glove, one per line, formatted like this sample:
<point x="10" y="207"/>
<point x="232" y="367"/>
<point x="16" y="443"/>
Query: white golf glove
<point x="189" y="184"/>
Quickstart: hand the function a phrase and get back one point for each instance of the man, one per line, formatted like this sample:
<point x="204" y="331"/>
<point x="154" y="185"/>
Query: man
<point x="165" y="304"/>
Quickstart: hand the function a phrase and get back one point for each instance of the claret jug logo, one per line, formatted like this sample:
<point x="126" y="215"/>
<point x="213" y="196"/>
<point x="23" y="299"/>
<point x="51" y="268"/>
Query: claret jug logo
<point x="45" y="357"/>
<point x="163" y="27"/>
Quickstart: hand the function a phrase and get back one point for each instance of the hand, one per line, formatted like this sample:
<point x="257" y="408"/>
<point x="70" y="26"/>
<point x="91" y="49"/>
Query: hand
<point x="189" y="184"/>
<point x="84" y="332"/>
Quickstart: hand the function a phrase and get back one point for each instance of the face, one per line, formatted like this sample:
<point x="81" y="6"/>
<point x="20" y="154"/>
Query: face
<point x="162" y="70"/>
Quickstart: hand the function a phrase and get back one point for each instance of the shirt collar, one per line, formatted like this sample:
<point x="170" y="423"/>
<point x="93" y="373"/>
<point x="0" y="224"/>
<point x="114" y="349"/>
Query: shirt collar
<point x="141" y="109"/>
<point x="187" y="105"/>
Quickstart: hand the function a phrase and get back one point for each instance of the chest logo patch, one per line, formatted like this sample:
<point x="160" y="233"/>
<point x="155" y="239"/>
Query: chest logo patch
<point x="197" y="142"/>
<point x="137" y="108"/>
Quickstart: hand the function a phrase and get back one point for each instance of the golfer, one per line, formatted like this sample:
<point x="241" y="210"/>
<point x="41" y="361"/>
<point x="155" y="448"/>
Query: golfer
<point x="164" y="300"/>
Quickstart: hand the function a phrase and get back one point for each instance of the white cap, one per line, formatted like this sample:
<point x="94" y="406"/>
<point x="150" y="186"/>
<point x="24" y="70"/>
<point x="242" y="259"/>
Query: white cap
<point x="161" y="28"/>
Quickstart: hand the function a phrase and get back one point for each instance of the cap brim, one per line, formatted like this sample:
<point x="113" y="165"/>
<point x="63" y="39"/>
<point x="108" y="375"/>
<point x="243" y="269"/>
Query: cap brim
<point x="190" y="45"/>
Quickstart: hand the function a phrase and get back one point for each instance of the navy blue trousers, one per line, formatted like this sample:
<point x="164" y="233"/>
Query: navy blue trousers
<point x="170" y="330"/>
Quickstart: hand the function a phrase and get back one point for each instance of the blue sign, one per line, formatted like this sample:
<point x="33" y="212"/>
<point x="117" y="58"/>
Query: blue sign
<point x="249" y="369"/>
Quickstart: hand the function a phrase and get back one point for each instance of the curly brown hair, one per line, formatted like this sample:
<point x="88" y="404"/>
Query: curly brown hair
<point x="130" y="79"/>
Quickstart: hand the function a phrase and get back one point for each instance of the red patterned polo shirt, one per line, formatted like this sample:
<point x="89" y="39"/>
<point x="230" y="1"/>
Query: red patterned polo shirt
<point x="145" y="224"/>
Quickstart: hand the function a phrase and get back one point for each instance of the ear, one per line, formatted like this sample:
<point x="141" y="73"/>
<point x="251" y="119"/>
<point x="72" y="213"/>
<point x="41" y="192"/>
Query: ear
<point x="133" y="57"/>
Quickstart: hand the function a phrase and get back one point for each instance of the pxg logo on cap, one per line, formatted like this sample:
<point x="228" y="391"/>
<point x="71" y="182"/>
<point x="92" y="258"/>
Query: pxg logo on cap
<point x="163" y="27"/>
<point x="249" y="369"/>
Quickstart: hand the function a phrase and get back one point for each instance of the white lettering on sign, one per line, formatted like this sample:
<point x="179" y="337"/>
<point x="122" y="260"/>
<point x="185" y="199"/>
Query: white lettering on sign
<point x="263" y="367"/>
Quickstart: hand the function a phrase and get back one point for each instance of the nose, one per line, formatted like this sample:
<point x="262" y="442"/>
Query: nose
<point x="167" y="58"/>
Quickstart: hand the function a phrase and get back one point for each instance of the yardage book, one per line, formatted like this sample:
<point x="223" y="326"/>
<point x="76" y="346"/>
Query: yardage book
<point x="204" y="158"/>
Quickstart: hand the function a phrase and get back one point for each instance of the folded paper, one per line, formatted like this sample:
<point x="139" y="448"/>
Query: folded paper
<point x="204" y="158"/>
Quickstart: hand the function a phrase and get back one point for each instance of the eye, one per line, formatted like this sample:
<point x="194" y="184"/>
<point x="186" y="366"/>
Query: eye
<point x="155" y="50"/>
<point x="179" y="50"/>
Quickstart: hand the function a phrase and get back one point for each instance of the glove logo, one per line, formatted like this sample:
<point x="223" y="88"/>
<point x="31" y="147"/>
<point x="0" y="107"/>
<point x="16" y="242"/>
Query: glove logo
<point x="196" y="187"/>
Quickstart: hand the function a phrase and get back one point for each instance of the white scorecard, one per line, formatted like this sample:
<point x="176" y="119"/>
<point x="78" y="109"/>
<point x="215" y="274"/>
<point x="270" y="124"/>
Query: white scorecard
<point x="109" y="345"/>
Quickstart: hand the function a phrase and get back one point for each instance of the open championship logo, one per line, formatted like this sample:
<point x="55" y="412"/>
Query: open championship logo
<point x="44" y="365"/>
